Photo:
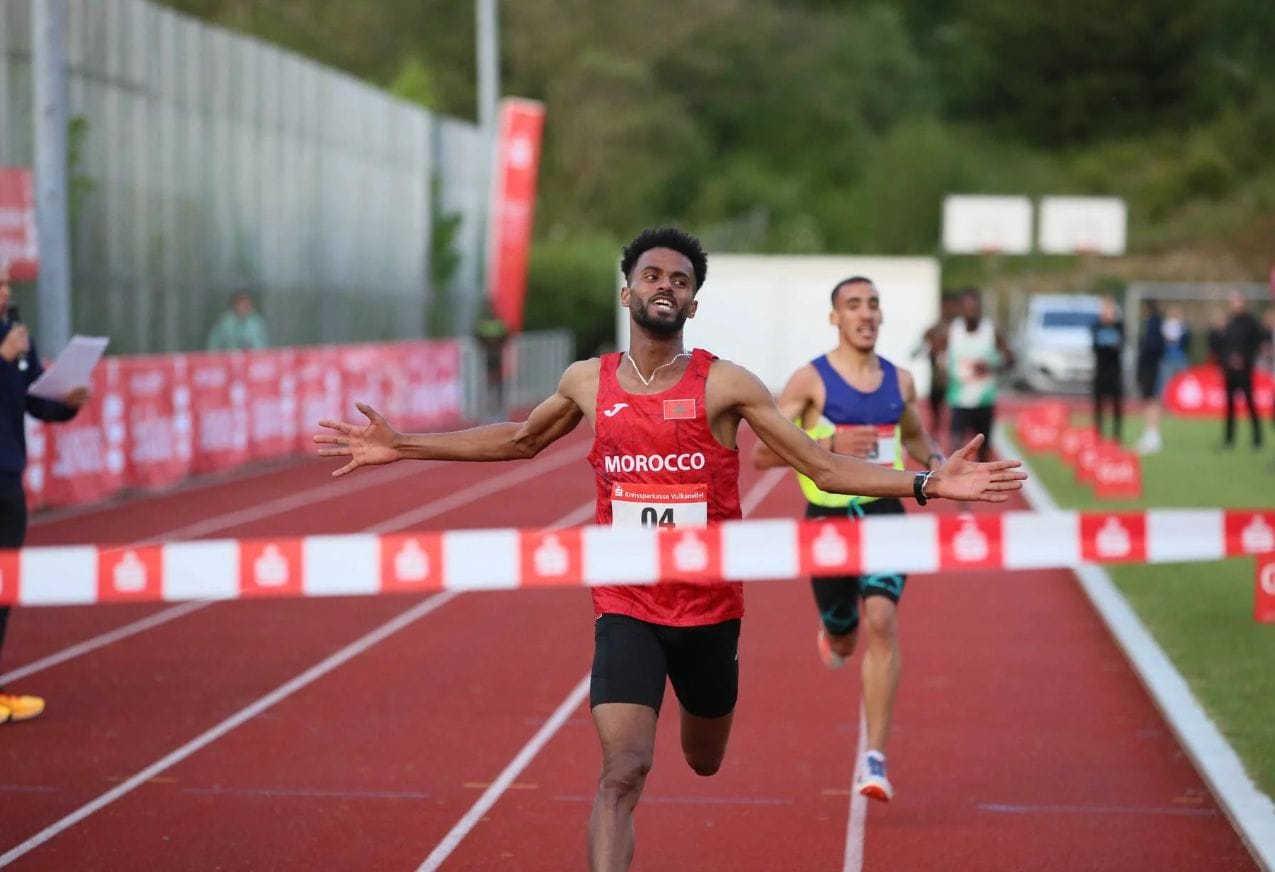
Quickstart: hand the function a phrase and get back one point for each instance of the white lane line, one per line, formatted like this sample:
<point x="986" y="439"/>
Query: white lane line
<point x="522" y="760"/>
<point x="856" y="826"/>
<point x="1251" y="812"/>
<point x="762" y="489"/>
<point x="190" y="486"/>
<point x="101" y="641"/>
<point x="206" y="738"/>
<point x="317" y="494"/>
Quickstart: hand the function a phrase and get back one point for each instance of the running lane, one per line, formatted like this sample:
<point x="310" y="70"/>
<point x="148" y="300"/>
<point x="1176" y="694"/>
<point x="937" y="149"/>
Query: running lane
<point x="119" y="709"/>
<point x="1022" y="740"/>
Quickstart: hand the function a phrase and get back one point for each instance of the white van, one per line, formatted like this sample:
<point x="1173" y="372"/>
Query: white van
<point x="1053" y="345"/>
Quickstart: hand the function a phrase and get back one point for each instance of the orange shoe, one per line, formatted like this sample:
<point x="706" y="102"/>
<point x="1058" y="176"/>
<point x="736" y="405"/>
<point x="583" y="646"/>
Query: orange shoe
<point x="16" y="707"/>
<point x="830" y="658"/>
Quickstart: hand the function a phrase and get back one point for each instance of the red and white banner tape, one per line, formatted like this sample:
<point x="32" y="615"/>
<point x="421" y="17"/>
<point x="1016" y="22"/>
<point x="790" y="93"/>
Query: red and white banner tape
<point x="508" y="558"/>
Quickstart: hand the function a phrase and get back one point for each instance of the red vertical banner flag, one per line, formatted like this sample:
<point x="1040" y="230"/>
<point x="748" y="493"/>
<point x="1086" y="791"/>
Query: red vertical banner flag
<point x="19" y="248"/>
<point x="513" y="207"/>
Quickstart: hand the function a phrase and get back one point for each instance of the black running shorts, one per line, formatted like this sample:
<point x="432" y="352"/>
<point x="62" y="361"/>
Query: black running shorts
<point x="632" y="658"/>
<point x="965" y="422"/>
<point x="837" y="596"/>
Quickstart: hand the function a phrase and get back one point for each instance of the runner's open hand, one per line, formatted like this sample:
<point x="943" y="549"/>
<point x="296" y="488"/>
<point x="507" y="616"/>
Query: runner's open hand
<point x="365" y="446"/>
<point x="961" y="478"/>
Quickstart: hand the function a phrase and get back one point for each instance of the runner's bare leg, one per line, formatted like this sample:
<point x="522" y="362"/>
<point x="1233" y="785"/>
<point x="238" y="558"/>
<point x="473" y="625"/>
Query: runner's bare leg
<point x="627" y="734"/>
<point x="704" y="741"/>
<point x="882" y="661"/>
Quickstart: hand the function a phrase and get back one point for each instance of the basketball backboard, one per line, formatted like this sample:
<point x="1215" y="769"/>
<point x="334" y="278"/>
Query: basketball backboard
<point x="1082" y="225"/>
<point x="980" y="224"/>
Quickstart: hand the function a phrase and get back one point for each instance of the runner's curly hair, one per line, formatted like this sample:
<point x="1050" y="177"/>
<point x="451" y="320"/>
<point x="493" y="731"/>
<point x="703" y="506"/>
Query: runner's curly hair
<point x="667" y="237"/>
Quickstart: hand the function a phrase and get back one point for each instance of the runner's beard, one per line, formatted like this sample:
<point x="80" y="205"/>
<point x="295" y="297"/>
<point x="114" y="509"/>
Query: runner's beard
<point x="658" y="326"/>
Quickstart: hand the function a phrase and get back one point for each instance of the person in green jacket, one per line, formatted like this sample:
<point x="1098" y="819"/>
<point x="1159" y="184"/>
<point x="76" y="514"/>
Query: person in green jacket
<point x="238" y="328"/>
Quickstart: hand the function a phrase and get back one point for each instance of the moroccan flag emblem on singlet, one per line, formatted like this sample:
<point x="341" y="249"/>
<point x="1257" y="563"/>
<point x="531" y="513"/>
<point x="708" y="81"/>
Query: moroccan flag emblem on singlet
<point x="679" y="410"/>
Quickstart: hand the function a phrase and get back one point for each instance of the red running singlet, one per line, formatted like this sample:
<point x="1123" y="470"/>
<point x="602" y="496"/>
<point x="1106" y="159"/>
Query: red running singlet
<point x="657" y="464"/>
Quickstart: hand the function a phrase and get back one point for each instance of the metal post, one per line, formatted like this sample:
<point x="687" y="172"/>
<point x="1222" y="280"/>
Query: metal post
<point x="488" y="46"/>
<point x="49" y="75"/>
<point x="6" y="111"/>
<point x="488" y="40"/>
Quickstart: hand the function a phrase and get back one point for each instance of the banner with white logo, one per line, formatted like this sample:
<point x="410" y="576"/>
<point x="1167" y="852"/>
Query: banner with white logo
<point x="513" y="207"/>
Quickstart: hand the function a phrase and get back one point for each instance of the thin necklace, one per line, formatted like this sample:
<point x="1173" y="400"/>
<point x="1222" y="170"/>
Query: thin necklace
<point x="647" y="381"/>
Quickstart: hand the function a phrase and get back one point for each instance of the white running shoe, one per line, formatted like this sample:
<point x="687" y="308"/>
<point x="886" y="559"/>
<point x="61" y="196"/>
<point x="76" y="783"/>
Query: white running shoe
<point x="873" y="782"/>
<point x="1150" y="443"/>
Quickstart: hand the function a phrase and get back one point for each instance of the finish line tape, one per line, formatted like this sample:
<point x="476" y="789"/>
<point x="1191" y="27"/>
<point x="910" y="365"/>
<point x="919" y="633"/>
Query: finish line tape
<point x="508" y="558"/>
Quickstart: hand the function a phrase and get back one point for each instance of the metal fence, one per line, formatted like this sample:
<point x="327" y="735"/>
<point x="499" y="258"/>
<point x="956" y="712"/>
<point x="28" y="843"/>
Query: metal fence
<point x="534" y="363"/>
<point x="203" y="162"/>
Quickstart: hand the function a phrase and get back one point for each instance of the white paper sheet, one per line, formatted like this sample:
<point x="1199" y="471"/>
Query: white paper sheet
<point x="72" y="369"/>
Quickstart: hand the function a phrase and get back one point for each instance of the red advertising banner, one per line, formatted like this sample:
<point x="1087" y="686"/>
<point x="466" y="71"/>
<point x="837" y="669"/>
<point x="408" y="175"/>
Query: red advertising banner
<point x="513" y="207"/>
<point x="157" y="416"/>
<point x="272" y="402"/>
<point x="219" y="405"/>
<point x="1117" y="474"/>
<point x="365" y="378"/>
<point x="1264" y="590"/>
<point x="154" y="419"/>
<point x="427" y="376"/>
<point x="19" y="246"/>
<point x="84" y="457"/>
<point x="1200" y="392"/>
<point x="319" y="392"/>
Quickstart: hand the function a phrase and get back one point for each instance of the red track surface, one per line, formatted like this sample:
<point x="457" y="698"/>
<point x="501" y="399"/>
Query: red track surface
<point x="1022" y="739"/>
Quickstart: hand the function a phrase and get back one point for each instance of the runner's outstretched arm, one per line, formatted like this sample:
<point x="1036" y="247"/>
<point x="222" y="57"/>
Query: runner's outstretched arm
<point x="377" y="442"/>
<point x="959" y="478"/>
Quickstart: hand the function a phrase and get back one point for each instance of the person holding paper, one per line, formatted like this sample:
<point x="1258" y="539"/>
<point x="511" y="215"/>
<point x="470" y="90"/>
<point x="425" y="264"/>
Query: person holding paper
<point x="19" y="367"/>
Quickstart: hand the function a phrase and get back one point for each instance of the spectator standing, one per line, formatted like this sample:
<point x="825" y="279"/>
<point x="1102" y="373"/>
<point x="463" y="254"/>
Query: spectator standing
<point x="493" y="335"/>
<point x="1108" y="373"/>
<point x="1238" y="345"/>
<point x="1151" y="350"/>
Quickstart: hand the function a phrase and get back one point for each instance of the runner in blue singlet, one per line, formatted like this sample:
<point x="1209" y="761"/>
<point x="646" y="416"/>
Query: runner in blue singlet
<point x="853" y="401"/>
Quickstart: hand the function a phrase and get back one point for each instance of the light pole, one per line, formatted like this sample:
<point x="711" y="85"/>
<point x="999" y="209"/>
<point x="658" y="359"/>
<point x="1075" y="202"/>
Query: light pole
<point x="47" y="19"/>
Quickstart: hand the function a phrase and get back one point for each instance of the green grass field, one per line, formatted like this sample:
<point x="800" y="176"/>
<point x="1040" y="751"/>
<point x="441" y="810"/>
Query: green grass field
<point x="1201" y="613"/>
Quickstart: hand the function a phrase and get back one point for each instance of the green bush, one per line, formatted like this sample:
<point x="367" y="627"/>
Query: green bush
<point x="573" y="284"/>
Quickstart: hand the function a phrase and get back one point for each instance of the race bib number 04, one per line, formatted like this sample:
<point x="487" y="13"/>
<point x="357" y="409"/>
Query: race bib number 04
<point x="659" y="505"/>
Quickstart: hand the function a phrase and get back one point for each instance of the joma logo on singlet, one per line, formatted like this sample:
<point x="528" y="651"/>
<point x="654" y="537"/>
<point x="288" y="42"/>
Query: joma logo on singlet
<point x="653" y="462"/>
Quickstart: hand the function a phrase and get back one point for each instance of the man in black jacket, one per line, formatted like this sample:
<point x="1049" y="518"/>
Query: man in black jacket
<point x="19" y="367"/>
<point x="1237" y="352"/>
<point x="1108" y="374"/>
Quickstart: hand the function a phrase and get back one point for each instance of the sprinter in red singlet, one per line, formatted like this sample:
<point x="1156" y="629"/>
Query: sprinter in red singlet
<point x="665" y="423"/>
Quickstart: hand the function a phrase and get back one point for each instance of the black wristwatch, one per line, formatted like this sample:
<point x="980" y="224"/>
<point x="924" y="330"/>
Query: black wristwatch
<point x="918" y="487"/>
